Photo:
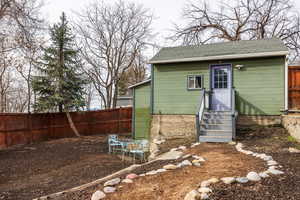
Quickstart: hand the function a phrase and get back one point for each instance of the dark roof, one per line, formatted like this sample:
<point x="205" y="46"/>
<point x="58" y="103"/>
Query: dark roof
<point x="225" y="50"/>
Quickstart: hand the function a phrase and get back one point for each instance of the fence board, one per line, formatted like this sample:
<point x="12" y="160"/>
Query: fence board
<point x="294" y="87"/>
<point x="19" y="128"/>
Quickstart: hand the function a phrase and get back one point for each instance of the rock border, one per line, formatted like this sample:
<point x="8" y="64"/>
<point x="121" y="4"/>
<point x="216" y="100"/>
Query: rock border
<point x="203" y="192"/>
<point x="117" y="174"/>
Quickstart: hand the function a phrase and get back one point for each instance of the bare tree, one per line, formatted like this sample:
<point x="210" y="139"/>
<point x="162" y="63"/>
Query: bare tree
<point x="111" y="36"/>
<point x="31" y="52"/>
<point x="17" y="19"/>
<point x="246" y="19"/>
<point x="136" y="73"/>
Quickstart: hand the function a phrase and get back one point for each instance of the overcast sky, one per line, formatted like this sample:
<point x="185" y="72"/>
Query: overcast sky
<point x="166" y="12"/>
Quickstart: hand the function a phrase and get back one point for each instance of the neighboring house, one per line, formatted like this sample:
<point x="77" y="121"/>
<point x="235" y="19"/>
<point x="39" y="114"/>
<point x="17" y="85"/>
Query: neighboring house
<point x="124" y="101"/>
<point x="197" y="91"/>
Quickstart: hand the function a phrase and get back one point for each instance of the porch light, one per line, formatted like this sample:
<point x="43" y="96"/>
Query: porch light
<point x="239" y="67"/>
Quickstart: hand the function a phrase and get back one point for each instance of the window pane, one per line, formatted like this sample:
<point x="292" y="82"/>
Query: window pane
<point x="198" y="82"/>
<point x="191" y="83"/>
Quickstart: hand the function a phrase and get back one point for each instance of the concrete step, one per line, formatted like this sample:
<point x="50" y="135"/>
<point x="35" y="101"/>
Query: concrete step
<point x="218" y="112"/>
<point x="216" y="132"/>
<point x="217" y="121"/>
<point x="215" y="139"/>
<point x="206" y="126"/>
<point x="216" y="116"/>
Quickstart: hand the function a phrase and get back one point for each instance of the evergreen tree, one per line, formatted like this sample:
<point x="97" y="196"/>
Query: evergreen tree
<point x="59" y="85"/>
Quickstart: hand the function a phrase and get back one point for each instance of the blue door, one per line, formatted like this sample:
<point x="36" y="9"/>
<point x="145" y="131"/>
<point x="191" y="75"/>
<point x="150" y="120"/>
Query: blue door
<point x="221" y="83"/>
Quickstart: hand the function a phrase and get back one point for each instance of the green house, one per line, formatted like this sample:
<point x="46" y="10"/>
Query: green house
<point x="203" y="92"/>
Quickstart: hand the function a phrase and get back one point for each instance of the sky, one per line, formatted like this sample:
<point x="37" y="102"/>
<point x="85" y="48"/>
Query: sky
<point x="166" y="13"/>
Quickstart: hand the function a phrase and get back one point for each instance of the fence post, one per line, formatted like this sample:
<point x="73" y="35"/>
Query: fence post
<point x="119" y="118"/>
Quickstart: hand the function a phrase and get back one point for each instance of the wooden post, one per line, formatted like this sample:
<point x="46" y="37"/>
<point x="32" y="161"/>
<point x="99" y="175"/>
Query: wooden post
<point x="119" y="118"/>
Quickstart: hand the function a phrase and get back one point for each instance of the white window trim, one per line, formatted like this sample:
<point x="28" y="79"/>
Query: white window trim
<point x="194" y="75"/>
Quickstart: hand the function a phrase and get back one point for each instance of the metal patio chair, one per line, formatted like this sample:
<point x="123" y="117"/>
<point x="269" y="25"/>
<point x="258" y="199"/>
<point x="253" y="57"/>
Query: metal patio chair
<point x="139" y="148"/>
<point x="114" y="144"/>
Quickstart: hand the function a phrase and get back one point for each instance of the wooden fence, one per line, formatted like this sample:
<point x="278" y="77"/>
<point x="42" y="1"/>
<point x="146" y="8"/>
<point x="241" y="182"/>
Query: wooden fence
<point x="294" y="87"/>
<point x="27" y="128"/>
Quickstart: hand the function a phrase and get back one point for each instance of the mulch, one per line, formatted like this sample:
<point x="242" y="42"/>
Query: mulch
<point x="31" y="171"/>
<point x="274" y="141"/>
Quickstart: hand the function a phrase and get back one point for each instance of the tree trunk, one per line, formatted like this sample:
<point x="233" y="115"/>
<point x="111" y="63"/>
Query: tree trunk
<point x="72" y="125"/>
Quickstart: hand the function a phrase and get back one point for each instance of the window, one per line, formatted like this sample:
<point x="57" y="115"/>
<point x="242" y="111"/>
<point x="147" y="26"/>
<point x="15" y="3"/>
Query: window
<point x="194" y="82"/>
<point x="220" y="78"/>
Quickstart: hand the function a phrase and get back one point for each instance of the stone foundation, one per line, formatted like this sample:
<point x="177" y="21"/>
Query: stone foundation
<point x="292" y="124"/>
<point x="169" y="131"/>
<point x="244" y="120"/>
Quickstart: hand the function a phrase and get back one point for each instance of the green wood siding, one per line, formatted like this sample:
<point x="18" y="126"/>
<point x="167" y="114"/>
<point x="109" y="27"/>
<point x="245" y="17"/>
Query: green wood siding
<point x="259" y="86"/>
<point x="142" y="115"/>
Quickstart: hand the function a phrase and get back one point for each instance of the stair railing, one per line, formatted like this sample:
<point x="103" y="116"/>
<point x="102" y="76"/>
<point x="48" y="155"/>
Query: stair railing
<point x="233" y="112"/>
<point x="200" y="112"/>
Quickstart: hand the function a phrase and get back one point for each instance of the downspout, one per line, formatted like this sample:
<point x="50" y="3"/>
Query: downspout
<point x="286" y="89"/>
<point x="133" y="115"/>
<point x="152" y="90"/>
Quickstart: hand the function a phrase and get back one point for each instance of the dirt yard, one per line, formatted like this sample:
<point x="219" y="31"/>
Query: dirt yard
<point x="39" y="169"/>
<point x="222" y="160"/>
<point x="275" y="142"/>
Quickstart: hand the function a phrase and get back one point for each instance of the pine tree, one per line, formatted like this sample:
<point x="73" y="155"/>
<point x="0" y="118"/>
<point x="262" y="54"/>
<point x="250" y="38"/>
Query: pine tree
<point x="59" y="85"/>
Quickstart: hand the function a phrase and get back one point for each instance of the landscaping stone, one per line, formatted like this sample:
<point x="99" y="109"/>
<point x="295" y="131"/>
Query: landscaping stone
<point x="242" y="180"/>
<point x="171" y="155"/>
<point x="213" y="180"/>
<point x="195" y="161"/>
<point x="127" y="181"/>
<point x="195" y="144"/>
<point x="272" y="162"/>
<point x="131" y="176"/>
<point x="109" y="189"/>
<point x="239" y="145"/>
<point x="205" y="183"/>
<point x="253" y="176"/>
<point x="204" y="196"/>
<point x="275" y="171"/>
<point x="263" y="174"/>
<point x="204" y="190"/>
<point x="294" y="150"/>
<point x="153" y="172"/>
<point x="98" y="195"/>
<point x="161" y="170"/>
<point x="186" y="163"/>
<point x="267" y="158"/>
<point x="199" y="158"/>
<point x="182" y="148"/>
<point x="112" y="182"/>
<point x="228" y="180"/>
<point x="157" y="141"/>
<point x="170" y="167"/>
<point x="197" y="164"/>
<point x="192" y="195"/>
<point x="179" y="165"/>
<point x="186" y="156"/>
<point x="174" y="149"/>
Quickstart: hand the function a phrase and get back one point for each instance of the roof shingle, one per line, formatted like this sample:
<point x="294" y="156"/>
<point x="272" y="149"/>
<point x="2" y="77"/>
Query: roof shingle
<point x="220" y="49"/>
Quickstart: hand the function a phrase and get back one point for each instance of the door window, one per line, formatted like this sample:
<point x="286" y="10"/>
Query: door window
<point x="220" y="78"/>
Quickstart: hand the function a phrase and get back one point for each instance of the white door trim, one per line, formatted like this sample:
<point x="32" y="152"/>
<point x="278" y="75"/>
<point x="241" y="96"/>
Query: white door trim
<point x="229" y="86"/>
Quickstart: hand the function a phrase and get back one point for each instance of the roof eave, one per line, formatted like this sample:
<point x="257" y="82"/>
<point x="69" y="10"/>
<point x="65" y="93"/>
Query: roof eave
<point x="140" y="83"/>
<point x="222" y="57"/>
